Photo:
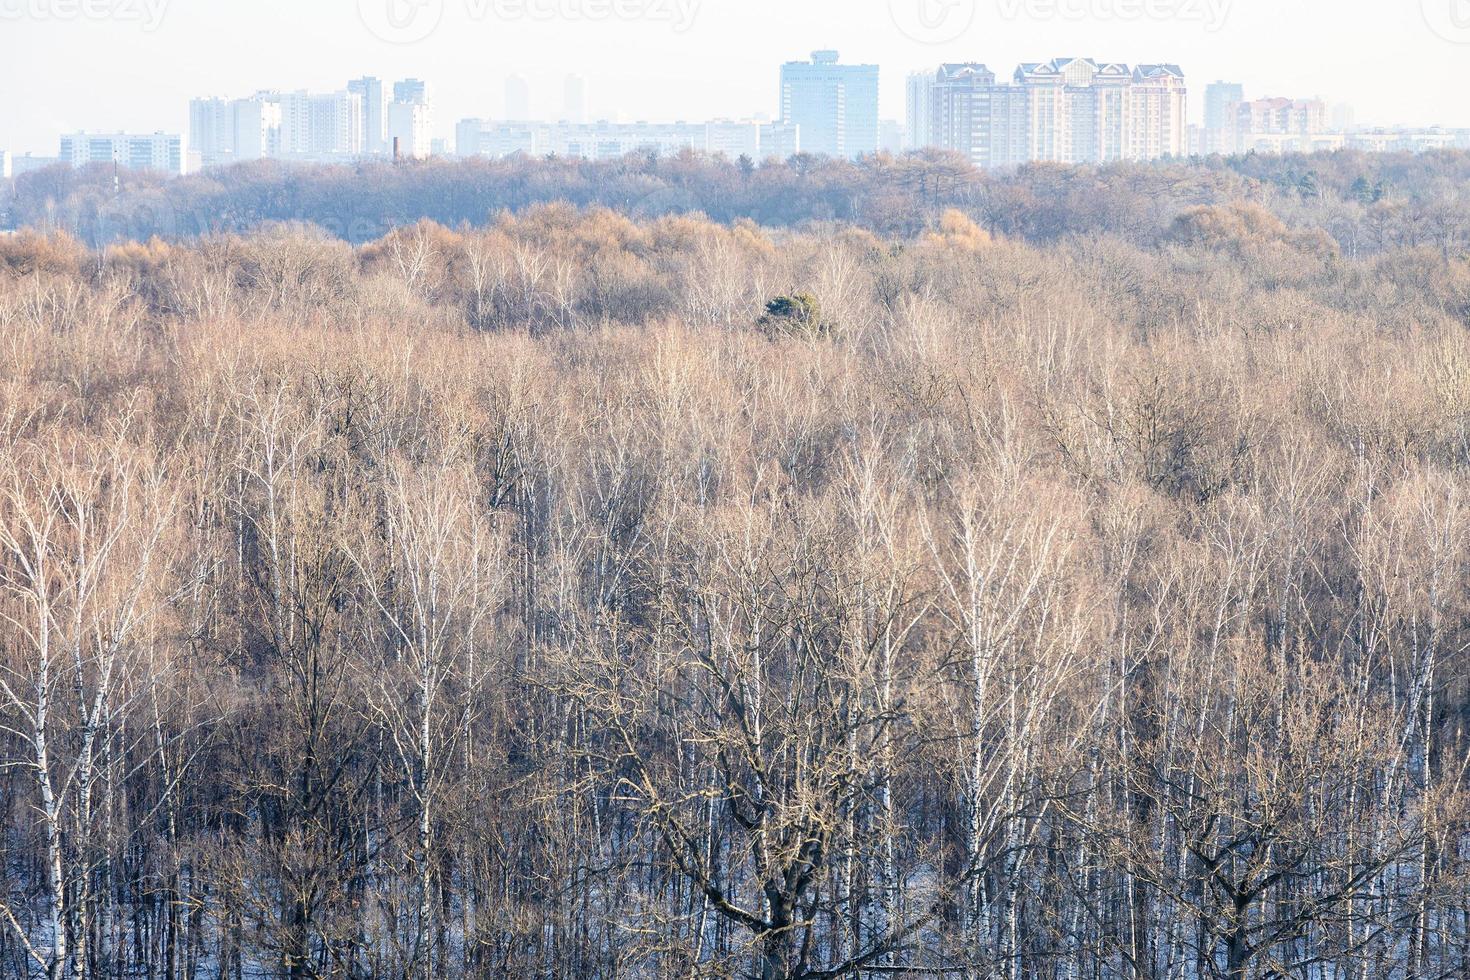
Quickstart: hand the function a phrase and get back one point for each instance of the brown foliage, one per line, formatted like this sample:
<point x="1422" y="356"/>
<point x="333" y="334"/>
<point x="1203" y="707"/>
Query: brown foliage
<point x="517" y="601"/>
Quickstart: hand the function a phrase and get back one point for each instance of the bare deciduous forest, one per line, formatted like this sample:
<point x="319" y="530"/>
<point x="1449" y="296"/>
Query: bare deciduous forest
<point x="1054" y="575"/>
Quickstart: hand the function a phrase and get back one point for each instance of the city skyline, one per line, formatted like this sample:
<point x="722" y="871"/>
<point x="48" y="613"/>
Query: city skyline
<point x="714" y="65"/>
<point x="517" y="100"/>
<point x="1065" y="110"/>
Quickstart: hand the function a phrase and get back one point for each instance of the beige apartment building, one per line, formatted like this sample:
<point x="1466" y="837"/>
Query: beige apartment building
<point x="1069" y="110"/>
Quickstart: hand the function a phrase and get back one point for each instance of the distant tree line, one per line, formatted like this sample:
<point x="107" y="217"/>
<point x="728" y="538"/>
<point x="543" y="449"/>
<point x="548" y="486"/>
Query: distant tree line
<point x="1367" y="202"/>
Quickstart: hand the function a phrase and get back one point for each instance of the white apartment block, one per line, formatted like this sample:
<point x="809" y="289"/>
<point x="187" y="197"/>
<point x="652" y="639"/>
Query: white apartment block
<point x="225" y="131"/>
<point x="410" y="129"/>
<point x="5" y="165"/>
<point x="1069" y="110"/>
<point x="28" y="163"/>
<point x="256" y="128"/>
<point x="134" y="151"/>
<point x="919" y="97"/>
<point x="374" y="114"/>
<point x="756" y="140"/>
<point x="1409" y="140"/>
<point x="273" y="125"/>
<point x="321" y="127"/>
<point x="211" y="131"/>
<point x="312" y="127"/>
<point x="609" y="141"/>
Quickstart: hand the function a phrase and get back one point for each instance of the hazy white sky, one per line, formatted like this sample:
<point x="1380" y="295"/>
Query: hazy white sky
<point x="133" y="64"/>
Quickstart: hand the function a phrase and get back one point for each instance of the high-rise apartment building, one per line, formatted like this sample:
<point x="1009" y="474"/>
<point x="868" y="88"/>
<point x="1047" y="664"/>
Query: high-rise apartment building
<point x="1281" y="126"/>
<point x="410" y="130"/>
<point x="1221" y="98"/>
<point x="288" y="125"/>
<point x="1222" y="106"/>
<point x="919" y="112"/>
<point x="1292" y="117"/>
<point x="5" y="165"/>
<point x="310" y="127"/>
<point x="835" y="105"/>
<point x="321" y="126"/>
<point x="1069" y="110"/>
<point x="374" y="113"/>
<point x="256" y="127"/>
<point x="211" y="131"/>
<point x="153" y="151"/>
<point x="1160" y="106"/>
<point x="411" y="90"/>
<point x="410" y="120"/>
<point x="1274" y="125"/>
<point x="1073" y="110"/>
<point x="962" y="102"/>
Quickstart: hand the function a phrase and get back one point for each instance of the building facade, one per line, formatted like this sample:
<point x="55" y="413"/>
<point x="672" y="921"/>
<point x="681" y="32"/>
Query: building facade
<point x="1221" y="99"/>
<point x="411" y="90"/>
<point x="918" y="99"/>
<point x="1234" y="124"/>
<point x="611" y="141"/>
<point x="1069" y="110"/>
<point x="834" y="105"/>
<point x="210" y="131"/>
<point x="374" y="114"/>
<point x="312" y="127"/>
<point x="321" y="127"/>
<point x="1288" y="117"/>
<point x="1160" y="106"/>
<point x="410" y="130"/>
<point x="28" y="163"/>
<point x="154" y="151"/>
<point x="256" y="128"/>
<point x="410" y="120"/>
